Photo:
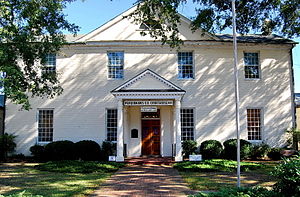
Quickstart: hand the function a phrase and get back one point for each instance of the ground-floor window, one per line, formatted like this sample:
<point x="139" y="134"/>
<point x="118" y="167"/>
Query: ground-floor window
<point x="111" y="124"/>
<point x="187" y="124"/>
<point x="45" y="125"/>
<point x="254" y="124"/>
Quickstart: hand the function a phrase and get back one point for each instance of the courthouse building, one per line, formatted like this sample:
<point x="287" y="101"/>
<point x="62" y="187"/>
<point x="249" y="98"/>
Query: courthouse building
<point x="127" y="88"/>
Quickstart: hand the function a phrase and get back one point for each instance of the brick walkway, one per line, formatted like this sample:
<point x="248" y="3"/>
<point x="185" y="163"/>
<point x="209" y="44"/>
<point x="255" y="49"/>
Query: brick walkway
<point x="144" y="180"/>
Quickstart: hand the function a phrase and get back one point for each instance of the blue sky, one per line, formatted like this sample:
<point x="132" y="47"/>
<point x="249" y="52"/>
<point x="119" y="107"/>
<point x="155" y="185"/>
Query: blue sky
<point x="90" y="14"/>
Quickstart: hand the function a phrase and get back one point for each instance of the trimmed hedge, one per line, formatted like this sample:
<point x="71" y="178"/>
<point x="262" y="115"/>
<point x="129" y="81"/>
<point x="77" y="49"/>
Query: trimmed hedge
<point x="60" y="150"/>
<point x="87" y="150"/>
<point x="259" y="151"/>
<point x="230" y="149"/>
<point x="211" y="149"/>
<point x="189" y="147"/>
<point x="38" y="152"/>
<point x="108" y="149"/>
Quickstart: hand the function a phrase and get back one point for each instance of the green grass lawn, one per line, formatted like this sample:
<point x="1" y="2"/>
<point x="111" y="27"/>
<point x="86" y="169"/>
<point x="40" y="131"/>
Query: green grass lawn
<point x="213" y="175"/>
<point x="18" y="177"/>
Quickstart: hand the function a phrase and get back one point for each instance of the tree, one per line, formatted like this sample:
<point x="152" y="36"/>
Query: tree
<point x="267" y="16"/>
<point x="29" y="30"/>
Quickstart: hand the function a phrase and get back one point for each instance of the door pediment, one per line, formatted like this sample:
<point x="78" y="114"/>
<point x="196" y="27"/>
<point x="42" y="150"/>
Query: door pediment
<point x="148" y="81"/>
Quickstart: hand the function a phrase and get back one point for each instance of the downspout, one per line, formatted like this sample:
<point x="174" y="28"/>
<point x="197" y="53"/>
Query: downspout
<point x="292" y="82"/>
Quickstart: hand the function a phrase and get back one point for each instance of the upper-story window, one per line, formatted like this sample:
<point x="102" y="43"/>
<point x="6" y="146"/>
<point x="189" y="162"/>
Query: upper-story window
<point x="251" y="61"/>
<point x="50" y="64"/>
<point x="115" y="65"/>
<point x="185" y="65"/>
<point x="150" y="24"/>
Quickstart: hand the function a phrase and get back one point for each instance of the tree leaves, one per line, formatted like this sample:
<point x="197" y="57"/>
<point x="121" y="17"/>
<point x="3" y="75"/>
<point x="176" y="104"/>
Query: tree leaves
<point x="29" y="30"/>
<point x="257" y="16"/>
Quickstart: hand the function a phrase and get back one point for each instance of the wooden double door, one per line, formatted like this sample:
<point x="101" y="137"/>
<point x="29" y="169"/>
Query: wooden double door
<point x="150" y="137"/>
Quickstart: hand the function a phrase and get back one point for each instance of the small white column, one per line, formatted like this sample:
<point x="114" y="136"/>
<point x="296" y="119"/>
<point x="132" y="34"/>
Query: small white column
<point x="178" y="156"/>
<point x="120" y="133"/>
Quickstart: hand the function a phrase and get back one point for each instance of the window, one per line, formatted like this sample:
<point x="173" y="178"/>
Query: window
<point x="111" y="124"/>
<point x="185" y="65"/>
<point x="50" y="64"/>
<point x="150" y="24"/>
<point x="115" y="65"/>
<point x="254" y="124"/>
<point x="187" y="124"/>
<point x="251" y="62"/>
<point x="45" y="125"/>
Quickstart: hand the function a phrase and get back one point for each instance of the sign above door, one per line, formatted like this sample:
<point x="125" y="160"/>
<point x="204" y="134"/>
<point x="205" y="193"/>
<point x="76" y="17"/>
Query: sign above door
<point x="141" y="103"/>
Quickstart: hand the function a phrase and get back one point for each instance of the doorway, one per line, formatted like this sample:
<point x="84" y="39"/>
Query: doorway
<point x="150" y="134"/>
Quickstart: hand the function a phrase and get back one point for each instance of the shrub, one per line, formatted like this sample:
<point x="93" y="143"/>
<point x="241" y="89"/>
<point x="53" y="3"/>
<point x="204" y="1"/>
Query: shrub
<point x="230" y="149"/>
<point x="240" y="192"/>
<point x="211" y="149"/>
<point x="288" y="177"/>
<point x="7" y="144"/>
<point x="108" y="149"/>
<point x="38" y="152"/>
<point x="60" y="150"/>
<point x="87" y="150"/>
<point x="259" y="151"/>
<point x="275" y="153"/>
<point x="188" y="147"/>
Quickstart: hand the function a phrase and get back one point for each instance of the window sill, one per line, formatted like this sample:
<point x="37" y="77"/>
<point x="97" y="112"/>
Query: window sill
<point x="256" y="141"/>
<point x="43" y="143"/>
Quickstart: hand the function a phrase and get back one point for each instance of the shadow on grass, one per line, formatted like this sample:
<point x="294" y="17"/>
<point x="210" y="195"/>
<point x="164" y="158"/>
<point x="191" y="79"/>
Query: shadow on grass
<point x="18" y="177"/>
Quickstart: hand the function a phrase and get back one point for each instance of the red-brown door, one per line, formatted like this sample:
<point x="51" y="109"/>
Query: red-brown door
<point x="150" y="137"/>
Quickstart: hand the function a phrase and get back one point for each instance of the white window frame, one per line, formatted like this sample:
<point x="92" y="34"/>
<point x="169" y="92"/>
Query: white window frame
<point x="106" y="127"/>
<point x="108" y="66"/>
<point x="37" y="125"/>
<point x="194" y="119"/>
<point x="49" y="64"/>
<point x="261" y="124"/>
<point x="193" y="66"/>
<point x="258" y="66"/>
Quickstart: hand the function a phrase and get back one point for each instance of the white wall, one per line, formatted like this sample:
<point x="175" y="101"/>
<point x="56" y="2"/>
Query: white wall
<point x="79" y="113"/>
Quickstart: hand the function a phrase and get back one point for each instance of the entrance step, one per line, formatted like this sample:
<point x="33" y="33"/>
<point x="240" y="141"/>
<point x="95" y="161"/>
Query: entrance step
<point x="149" y="160"/>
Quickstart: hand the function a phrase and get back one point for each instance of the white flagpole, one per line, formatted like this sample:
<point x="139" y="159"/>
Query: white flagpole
<point x="237" y="99"/>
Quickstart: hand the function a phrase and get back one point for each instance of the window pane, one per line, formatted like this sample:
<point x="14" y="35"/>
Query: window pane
<point x="115" y="65"/>
<point x="251" y="62"/>
<point x="50" y="64"/>
<point x="111" y="124"/>
<point x="185" y="65"/>
<point x="254" y="124"/>
<point x="187" y="124"/>
<point x="45" y="125"/>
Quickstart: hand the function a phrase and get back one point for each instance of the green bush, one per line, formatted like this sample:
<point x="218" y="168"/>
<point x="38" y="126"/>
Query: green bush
<point x="108" y="149"/>
<point x="288" y="175"/>
<point x="211" y="149"/>
<point x="38" y="152"/>
<point x="87" y="150"/>
<point x="240" y="192"/>
<point x="60" y="150"/>
<point x="275" y="153"/>
<point x="7" y="144"/>
<point x="76" y="166"/>
<point x="259" y="151"/>
<point x="188" y="148"/>
<point x="230" y="149"/>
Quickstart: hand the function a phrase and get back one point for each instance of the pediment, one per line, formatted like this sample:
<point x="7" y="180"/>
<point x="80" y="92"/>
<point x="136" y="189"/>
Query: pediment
<point x="121" y="28"/>
<point x="148" y="81"/>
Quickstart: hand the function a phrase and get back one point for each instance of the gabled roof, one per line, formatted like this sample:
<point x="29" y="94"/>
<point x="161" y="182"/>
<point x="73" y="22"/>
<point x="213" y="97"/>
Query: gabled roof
<point x="148" y="81"/>
<point x="117" y="30"/>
